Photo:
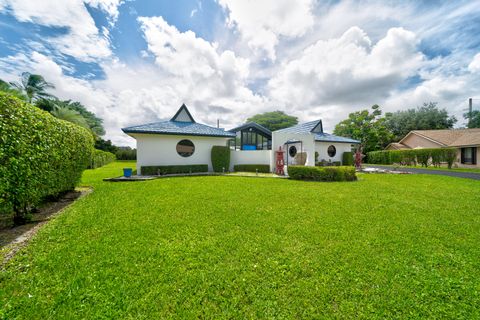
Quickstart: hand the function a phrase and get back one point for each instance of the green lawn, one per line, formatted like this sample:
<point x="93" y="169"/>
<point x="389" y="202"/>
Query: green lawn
<point x="387" y="246"/>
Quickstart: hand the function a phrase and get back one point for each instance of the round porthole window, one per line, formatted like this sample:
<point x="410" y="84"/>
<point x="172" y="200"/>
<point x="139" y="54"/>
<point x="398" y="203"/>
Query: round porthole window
<point x="292" y="151"/>
<point x="332" y="151"/>
<point x="185" y="148"/>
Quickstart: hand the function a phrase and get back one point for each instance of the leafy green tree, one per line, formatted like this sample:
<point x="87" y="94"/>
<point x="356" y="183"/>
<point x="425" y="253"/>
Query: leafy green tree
<point x="474" y="122"/>
<point x="426" y="117"/>
<point x="8" y="88"/>
<point x="34" y="86"/>
<point x="368" y="127"/>
<point x="95" y="124"/>
<point x="105" y="145"/>
<point x="274" y="120"/>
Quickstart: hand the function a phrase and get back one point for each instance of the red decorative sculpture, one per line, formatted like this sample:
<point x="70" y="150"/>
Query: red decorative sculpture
<point x="358" y="159"/>
<point x="279" y="162"/>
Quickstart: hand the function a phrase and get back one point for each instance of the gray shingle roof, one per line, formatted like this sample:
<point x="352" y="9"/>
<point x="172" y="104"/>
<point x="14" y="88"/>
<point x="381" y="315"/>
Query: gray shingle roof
<point x="326" y="137"/>
<point x="305" y="127"/>
<point x="252" y="125"/>
<point x="179" y="128"/>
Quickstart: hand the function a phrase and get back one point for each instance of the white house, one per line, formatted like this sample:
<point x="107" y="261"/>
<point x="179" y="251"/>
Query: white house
<point x="182" y="141"/>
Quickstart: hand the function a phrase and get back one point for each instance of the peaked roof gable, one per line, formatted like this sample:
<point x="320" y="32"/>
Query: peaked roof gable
<point x="252" y="125"/>
<point x="318" y="128"/>
<point x="183" y="115"/>
<point x="306" y="127"/>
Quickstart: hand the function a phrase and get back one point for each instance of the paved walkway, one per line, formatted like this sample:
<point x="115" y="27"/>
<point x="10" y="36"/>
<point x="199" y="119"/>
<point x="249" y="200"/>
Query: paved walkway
<point x="458" y="174"/>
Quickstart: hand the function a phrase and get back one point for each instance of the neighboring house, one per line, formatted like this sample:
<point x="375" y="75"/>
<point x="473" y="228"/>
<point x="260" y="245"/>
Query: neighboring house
<point x="467" y="141"/>
<point x="182" y="141"/>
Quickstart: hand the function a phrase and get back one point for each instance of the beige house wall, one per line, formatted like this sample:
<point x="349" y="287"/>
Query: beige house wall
<point x="415" y="141"/>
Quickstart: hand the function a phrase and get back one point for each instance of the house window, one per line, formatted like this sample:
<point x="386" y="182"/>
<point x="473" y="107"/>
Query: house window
<point x="185" y="148"/>
<point x="332" y="151"/>
<point x="292" y="151"/>
<point x="469" y="156"/>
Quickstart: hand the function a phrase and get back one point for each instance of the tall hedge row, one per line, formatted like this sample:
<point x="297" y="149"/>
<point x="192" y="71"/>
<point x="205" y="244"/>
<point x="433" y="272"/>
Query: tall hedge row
<point x="101" y="158"/>
<point x="220" y="158"/>
<point x="40" y="155"/>
<point x="414" y="156"/>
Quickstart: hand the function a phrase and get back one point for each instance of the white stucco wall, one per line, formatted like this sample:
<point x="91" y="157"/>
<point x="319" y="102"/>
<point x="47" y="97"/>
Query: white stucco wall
<point x="322" y="147"/>
<point x="249" y="157"/>
<point x="308" y="145"/>
<point x="156" y="149"/>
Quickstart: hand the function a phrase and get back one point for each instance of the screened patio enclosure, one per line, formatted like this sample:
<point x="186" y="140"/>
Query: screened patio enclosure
<point x="251" y="136"/>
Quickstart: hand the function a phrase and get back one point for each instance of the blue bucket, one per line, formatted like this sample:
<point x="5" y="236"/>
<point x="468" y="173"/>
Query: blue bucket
<point x="127" y="172"/>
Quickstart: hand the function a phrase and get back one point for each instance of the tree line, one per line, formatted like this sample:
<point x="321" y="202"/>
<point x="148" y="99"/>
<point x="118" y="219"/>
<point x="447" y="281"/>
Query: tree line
<point x="374" y="129"/>
<point x="33" y="88"/>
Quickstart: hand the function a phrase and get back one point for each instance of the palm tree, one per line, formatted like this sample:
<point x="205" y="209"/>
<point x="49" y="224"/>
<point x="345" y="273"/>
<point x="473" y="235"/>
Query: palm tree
<point x="7" y="88"/>
<point x="69" y="115"/>
<point x="34" y="86"/>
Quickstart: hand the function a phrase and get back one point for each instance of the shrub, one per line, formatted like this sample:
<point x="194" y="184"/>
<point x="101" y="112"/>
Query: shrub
<point x="263" y="168"/>
<point x="220" y="158"/>
<point x="423" y="156"/>
<point x="411" y="157"/>
<point x="162" y="170"/>
<point x="347" y="158"/>
<point x="101" y="158"/>
<point x="322" y="173"/>
<point x="449" y="156"/>
<point x="40" y="156"/>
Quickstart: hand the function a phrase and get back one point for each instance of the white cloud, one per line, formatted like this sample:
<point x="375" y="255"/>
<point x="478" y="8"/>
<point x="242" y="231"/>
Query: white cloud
<point x="347" y="70"/>
<point x="474" y="66"/>
<point x="83" y="40"/>
<point x="261" y="23"/>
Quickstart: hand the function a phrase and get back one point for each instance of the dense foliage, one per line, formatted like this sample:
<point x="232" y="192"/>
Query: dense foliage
<point x="33" y="86"/>
<point x="101" y="158"/>
<point x="368" y="127"/>
<point x="473" y="119"/>
<point x="220" y="156"/>
<point x="40" y="156"/>
<point x="347" y="158"/>
<point x="262" y="168"/>
<point x="414" y="156"/>
<point x="274" y="120"/>
<point x="126" y="153"/>
<point x="162" y="170"/>
<point x="322" y="173"/>
<point x="426" y="117"/>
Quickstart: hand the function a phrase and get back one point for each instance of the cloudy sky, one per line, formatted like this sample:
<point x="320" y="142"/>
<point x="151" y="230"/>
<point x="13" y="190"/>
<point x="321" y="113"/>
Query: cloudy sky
<point x="133" y="62"/>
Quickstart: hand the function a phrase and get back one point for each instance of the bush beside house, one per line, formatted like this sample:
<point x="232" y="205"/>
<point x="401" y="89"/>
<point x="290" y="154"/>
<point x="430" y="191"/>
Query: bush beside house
<point x="414" y="156"/>
<point x="262" y="168"/>
<point x="162" y="170"/>
<point x="101" y="158"/>
<point x="322" y="173"/>
<point x="347" y="158"/>
<point x="220" y="158"/>
<point x="40" y="156"/>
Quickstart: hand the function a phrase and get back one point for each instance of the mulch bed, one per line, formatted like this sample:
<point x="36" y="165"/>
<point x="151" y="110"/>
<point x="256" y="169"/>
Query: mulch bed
<point x="12" y="239"/>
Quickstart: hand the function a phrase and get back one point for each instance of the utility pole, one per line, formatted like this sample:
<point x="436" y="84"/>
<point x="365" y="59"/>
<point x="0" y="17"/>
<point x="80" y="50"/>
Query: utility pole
<point x="470" y="111"/>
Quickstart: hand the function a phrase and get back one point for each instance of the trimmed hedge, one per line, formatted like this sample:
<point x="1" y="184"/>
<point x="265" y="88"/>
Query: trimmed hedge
<point x="162" y="170"/>
<point x="263" y="168"/>
<point x="101" y="158"/>
<point x="322" y="173"/>
<point x="411" y="157"/>
<point x="347" y="158"/>
<point x="220" y="158"/>
<point x="40" y="156"/>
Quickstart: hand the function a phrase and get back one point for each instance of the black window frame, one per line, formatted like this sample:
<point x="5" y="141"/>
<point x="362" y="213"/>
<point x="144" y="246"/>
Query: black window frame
<point x="334" y="151"/>
<point x="180" y="153"/>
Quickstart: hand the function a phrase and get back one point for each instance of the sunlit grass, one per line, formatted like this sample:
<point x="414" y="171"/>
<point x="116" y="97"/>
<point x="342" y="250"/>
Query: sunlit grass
<point x="386" y="246"/>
